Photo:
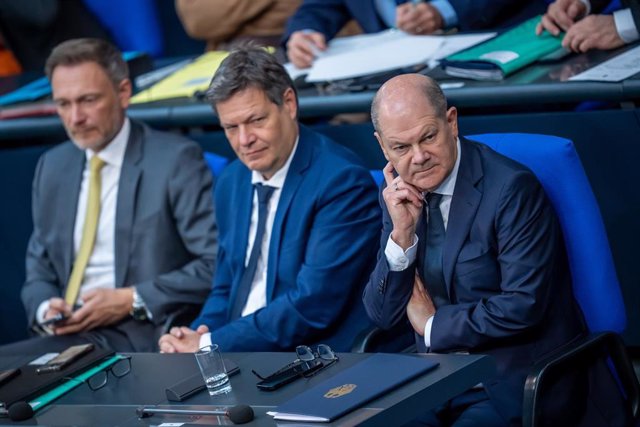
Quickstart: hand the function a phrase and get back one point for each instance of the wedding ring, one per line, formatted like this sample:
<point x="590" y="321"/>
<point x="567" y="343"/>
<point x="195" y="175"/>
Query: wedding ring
<point x="418" y="29"/>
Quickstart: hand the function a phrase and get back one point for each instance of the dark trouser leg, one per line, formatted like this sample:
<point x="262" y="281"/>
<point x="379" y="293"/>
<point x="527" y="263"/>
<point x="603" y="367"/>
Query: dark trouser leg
<point x="470" y="409"/>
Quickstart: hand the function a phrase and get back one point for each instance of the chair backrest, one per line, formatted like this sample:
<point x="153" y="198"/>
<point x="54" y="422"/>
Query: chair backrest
<point x="556" y="163"/>
<point x="215" y="162"/>
<point x="133" y="25"/>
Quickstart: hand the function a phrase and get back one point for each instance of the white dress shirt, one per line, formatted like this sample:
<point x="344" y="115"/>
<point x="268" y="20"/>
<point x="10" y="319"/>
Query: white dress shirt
<point x="399" y="260"/>
<point x="100" y="270"/>
<point x="257" y="297"/>
<point x="623" y="19"/>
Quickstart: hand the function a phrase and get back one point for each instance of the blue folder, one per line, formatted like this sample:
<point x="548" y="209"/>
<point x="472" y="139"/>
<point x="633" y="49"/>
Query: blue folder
<point x="353" y="387"/>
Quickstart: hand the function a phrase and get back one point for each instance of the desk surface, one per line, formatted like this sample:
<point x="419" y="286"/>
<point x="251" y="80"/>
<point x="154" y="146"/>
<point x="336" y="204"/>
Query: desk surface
<point x="152" y="373"/>
<point x="540" y="84"/>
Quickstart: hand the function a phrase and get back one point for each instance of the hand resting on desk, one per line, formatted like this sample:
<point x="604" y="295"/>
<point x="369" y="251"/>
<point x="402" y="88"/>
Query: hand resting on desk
<point x="182" y="339"/>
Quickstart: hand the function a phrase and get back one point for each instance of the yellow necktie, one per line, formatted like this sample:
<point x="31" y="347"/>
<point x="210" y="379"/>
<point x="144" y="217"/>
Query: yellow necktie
<point x="88" y="231"/>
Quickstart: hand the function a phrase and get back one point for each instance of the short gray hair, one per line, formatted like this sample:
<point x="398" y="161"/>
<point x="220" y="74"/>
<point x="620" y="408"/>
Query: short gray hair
<point x="430" y="90"/>
<point x="79" y="51"/>
<point x="249" y="66"/>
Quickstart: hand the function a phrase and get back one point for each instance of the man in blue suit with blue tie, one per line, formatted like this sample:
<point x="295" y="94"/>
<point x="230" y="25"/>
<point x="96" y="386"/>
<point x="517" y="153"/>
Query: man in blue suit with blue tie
<point x="298" y="221"/>
<point x="471" y="255"/>
<point x="318" y="21"/>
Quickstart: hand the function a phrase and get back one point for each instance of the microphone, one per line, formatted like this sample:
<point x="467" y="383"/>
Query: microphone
<point x="20" y="411"/>
<point x="239" y="414"/>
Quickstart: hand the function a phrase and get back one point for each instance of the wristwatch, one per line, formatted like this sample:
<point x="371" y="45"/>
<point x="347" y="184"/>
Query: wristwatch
<point x="138" y="308"/>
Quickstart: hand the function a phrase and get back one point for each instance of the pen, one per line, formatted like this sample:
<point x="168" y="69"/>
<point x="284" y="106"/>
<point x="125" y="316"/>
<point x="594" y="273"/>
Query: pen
<point x="46" y="369"/>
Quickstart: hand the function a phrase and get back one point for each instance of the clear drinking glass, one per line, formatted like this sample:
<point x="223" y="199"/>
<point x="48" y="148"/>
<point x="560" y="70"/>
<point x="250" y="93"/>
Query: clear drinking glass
<point x="213" y="370"/>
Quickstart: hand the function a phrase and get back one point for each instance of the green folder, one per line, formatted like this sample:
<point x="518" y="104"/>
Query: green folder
<point x="70" y="384"/>
<point x="504" y="54"/>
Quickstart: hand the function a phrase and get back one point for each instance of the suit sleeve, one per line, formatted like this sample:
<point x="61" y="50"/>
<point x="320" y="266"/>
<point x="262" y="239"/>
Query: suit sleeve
<point x="635" y="12"/>
<point x="42" y="281"/>
<point x="339" y="243"/>
<point x="218" y="20"/>
<point x="485" y="14"/>
<point x="527" y="242"/>
<point x="190" y="195"/>
<point x="325" y="16"/>
<point x="214" y="311"/>
<point x="387" y="293"/>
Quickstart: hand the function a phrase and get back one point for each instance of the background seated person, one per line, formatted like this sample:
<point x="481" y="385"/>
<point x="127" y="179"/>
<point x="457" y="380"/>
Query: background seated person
<point x="587" y="31"/>
<point x="317" y="21"/>
<point x="124" y="233"/>
<point x="221" y="23"/>
<point x="298" y="222"/>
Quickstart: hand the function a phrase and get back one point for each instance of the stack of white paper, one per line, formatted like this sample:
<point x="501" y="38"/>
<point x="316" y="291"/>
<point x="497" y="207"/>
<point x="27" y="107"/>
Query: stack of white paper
<point x="349" y="57"/>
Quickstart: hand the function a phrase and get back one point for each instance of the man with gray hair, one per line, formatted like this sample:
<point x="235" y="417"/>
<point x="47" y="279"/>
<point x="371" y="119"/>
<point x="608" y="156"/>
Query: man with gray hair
<point x="124" y="236"/>
<point x="298" y="223"/>
<point x="472" y="255"/>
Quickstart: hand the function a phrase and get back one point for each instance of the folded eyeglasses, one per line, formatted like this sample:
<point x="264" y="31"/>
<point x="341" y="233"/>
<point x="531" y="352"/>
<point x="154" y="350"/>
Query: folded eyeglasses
<point x="308" y="362"/>
<point x="119" y="369"/>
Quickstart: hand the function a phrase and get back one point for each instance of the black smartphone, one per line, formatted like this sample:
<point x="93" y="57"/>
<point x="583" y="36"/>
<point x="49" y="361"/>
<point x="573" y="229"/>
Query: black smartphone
<point x="65" y="358"/>
<point x="55" y="319"/>
<point x="279" y="379"/>
<point x="5" y="376"/>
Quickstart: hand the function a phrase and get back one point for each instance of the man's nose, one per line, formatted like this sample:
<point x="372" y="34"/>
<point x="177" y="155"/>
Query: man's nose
<point x="419" y="155"/>
<point x="245" y="135"/>
<point x="77" y="114"/>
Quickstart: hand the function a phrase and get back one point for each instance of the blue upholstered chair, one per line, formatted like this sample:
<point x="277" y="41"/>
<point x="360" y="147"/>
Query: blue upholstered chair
<point x="133" y="25"/>
<point x="595" y="284"/>
<point x="215" y="162"/>
<point x="557" y="165"/>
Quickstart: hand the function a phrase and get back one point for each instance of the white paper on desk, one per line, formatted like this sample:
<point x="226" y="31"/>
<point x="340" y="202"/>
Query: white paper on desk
<point x="348" y="57"/>
<point x="378" y="55"/>
<point x="614" y="70"/>
<point x="455" y="43"/>
<point x="295" y="72"/>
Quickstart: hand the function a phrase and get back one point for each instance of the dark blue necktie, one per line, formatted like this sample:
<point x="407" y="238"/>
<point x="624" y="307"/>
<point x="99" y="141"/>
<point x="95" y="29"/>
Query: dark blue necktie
<point x="264" y="193"/>
<point x="433" y="276"/>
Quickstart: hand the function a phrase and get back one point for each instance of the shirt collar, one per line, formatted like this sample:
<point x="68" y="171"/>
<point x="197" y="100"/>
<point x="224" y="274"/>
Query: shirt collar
<point x="113" y="153"/>
<point x="449" y="184"/>
<point x="277" y="180"/>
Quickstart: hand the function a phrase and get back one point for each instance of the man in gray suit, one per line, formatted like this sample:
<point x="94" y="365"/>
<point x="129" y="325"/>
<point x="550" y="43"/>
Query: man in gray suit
<point x="124" y="235"/>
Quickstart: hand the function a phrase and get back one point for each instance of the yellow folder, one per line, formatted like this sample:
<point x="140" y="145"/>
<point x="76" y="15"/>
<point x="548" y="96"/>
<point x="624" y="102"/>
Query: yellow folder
<point x="194" y="77"/>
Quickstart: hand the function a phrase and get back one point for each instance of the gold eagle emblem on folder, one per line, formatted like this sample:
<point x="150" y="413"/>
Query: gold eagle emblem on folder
<point x="340" y="391"/>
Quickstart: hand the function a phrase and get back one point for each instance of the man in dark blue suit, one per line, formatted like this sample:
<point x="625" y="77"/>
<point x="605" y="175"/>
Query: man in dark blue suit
<point x="471" y="254"/>
<point x="318" y="21"/>
<point x="298" y="223"/>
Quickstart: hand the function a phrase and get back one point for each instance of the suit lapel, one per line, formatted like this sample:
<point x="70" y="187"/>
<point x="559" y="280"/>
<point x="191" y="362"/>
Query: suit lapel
<point x="127" y="196"/>
<point x="299" y="164"/>
<point x="68" y="207"/>
<point x="464" y="204"/>
<point x="242" y="203"/>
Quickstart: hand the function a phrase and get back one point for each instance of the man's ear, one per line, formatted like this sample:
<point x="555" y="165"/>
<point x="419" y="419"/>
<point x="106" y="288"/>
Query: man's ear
<point x="452" y="121"/>
<point x="290" y="103"/>
<point x="384" y="150"/>
<point x="124" y="93"/>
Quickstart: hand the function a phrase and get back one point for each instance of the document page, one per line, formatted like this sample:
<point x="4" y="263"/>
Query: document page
<point x="348" y="57"/>
<point x="615" y="69"/>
